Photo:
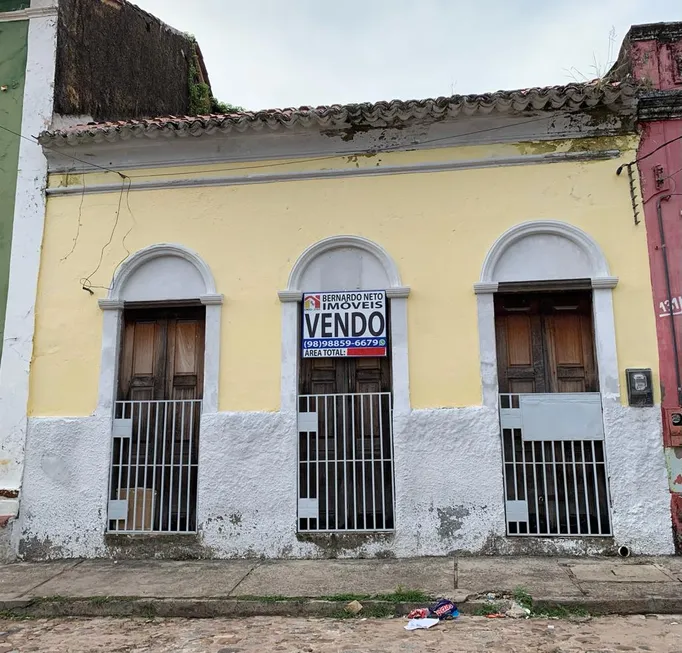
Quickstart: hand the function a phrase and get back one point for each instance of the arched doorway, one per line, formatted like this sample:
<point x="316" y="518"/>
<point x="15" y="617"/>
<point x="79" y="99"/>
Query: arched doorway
<point x="346" y="378"/>
<point x="548" y="358"/>
<point x="159" y="363"/>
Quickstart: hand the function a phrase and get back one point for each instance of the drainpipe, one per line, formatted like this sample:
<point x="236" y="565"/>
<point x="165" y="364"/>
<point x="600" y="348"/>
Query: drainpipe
<point x="666" y="268"/>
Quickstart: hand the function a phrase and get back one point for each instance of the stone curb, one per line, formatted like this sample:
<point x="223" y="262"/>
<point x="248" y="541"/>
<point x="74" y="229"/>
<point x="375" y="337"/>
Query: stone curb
<point x="595" y="606"/>
<point x="197" y="608"/>
<point x="194" y="608"/>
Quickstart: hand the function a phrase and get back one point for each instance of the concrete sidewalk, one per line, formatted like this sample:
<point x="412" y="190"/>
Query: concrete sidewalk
<point x="322" y="587"/>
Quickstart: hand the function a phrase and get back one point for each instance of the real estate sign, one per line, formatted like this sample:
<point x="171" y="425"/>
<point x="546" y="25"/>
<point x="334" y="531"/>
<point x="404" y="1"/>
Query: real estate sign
<point x="344" y="323"/>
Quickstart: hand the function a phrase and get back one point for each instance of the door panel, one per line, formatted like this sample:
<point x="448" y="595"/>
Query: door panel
<point x="186" y="358"/>
<point x="142" y="361"/>
<point x="520" y="352"/>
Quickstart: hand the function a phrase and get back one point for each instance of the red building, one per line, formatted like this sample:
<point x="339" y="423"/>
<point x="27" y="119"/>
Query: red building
<point x="652" y="56"/>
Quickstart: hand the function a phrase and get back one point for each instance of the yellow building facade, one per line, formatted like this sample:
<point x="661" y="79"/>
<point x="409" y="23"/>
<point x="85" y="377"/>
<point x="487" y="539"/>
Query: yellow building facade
<point x="452" y="210"/>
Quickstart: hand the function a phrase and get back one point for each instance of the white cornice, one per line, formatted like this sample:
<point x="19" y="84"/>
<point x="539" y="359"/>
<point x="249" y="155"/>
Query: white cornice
<point x="483" y="288"/>
<point x="604" y="282"/>
<point x="264" y="178"/>
<point x="289" y="295"/>
<point x="27" y="14"/>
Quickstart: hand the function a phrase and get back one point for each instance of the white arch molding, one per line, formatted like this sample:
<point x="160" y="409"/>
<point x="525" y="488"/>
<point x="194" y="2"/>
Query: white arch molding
<point x="162" y="272"/>
<point x="344" y="263"/>
<point x="543" y="250"/>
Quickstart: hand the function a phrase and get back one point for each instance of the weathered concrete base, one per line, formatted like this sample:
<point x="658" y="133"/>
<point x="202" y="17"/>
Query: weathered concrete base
<point x="448" y="487"/>
<point x="7" y="553"/>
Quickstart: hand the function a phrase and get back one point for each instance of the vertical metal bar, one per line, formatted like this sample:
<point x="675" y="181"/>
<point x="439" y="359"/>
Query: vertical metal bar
<point x="163" y="463"/>
<point x="513" y="467"/>
<point x="326" y="459"/>
<point x="566" y="496"/>
<point x="336" y="467"/>
<point x="156" y="462"/>
<point x="513" y="461"/>
<point x="596" y="488"/>
<point x="587" y="500"/>
<point x="381" y="456"/>
<point x="310" y="435"/>
<point x="544" y="485"/>
<point x="180" y="463"/>
<point x="390" y="433"/>
<point x="556" y="489"/>
<point x="135" y="489"/>
<point x="130" y="462"/>
<point x="314" y="439"/>
<point x="535" y="491"/>
<point x="146" y="464"/>
<point x="607" y="487"/>
<point x="189" y="463"/>
<point x="364" y="475"/>
<point x="345" y="466"/>
<point x="525" y="481"/>
<point x="174" y="408"/>
<point x="355" y="479"/>
<point x="315" y="435"/>
<point x="298" y="461"/>
<point x="575" y="485"/>
<point x="374" y="497"/>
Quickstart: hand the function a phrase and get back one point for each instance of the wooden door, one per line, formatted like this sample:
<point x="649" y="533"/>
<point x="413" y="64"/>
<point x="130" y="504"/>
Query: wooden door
<point x="344" y="375"/>
<point x="162" y="361"/>
<point x="520" y="352"/>
<point x="545" y="342"/>
<point x="570" y="344"/>
<point x="162" y="355"/>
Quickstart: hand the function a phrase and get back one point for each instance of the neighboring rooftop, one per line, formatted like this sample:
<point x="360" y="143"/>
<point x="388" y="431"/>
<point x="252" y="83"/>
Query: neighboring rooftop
<point x="116" y="61"/>
<point x="617" y="97"/>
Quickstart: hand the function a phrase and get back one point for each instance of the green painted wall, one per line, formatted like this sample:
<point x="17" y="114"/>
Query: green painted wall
<point x="13" y="5"/>
<point x="13" y="46"/>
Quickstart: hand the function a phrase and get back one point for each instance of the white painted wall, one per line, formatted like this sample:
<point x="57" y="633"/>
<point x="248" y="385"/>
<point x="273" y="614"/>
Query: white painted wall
<point x="448" y="478"/>
<point x="27" y="236"/>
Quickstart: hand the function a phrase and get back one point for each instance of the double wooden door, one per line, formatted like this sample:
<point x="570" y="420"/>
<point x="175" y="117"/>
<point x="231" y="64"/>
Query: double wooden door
<point x="545" y="342"/>
<point x="162" y="357"/>
<point x="160" y="388"/>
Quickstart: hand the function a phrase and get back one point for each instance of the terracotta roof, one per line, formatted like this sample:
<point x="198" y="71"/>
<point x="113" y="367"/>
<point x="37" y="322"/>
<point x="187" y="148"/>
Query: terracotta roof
<point x="572" y="97"/>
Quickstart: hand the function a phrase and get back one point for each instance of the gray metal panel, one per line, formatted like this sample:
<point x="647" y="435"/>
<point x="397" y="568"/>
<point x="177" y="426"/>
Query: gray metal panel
<point x="517" y="511"/>
<point x="562" y="416"/>
<point x="510" y="418"/>
<point x="308" y="509"/>
<point x="307" y="422"/>
<point x="122" y="428"/>
<point x="118" y="509"/>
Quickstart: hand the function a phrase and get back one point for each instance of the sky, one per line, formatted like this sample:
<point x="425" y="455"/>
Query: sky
<point x="280" y="53"/>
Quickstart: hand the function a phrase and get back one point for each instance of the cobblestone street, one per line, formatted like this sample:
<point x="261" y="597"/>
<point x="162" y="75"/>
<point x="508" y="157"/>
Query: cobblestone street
<point x="636" y="633"/>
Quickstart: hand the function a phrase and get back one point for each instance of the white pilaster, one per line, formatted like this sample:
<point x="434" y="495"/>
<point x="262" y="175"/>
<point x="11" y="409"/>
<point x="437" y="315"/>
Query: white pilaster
<point x="27" y="235"/>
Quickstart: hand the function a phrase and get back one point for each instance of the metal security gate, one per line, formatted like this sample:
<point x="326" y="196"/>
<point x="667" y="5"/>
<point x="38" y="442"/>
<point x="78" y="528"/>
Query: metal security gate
<point x="345" y="453"/>
<point x="154" y="464"/>
<point x="554" y="465"/>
